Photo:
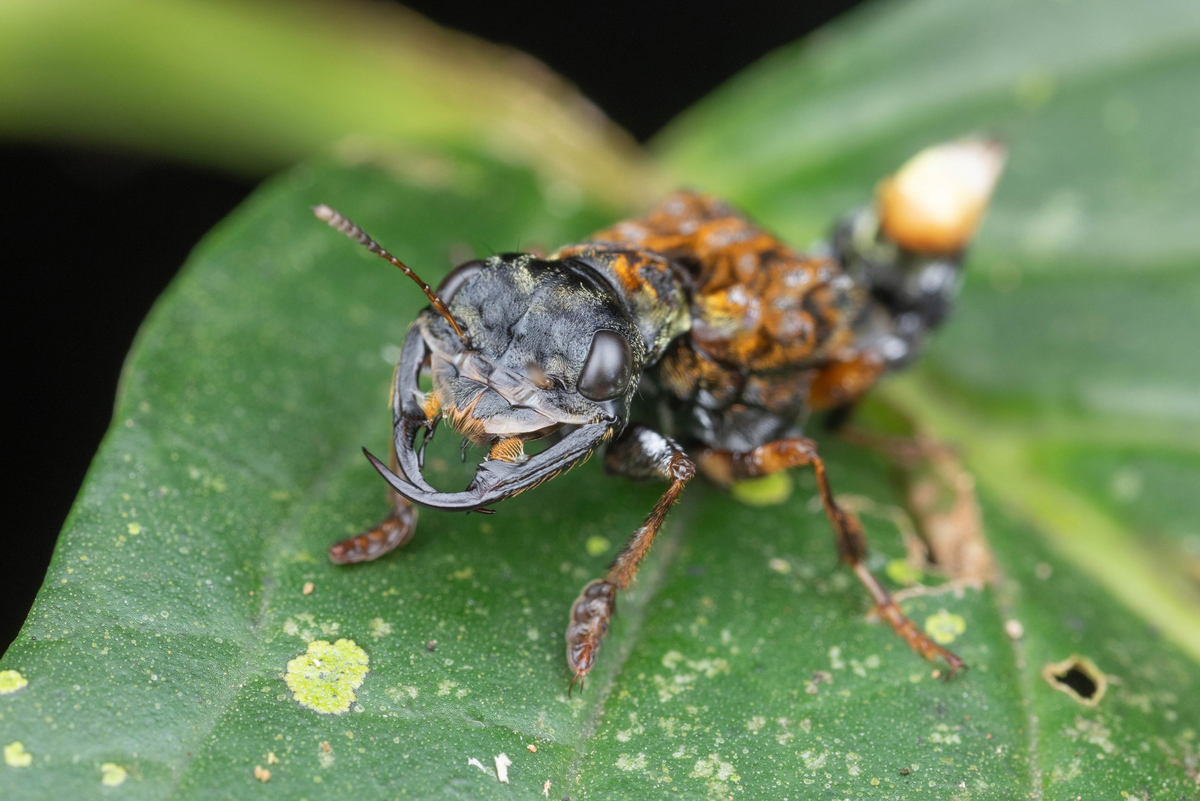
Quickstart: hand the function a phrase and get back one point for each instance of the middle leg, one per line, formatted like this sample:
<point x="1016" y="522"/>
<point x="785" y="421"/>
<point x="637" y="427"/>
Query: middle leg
<point x="639" y="453"/>
<point x="725" y="467"/>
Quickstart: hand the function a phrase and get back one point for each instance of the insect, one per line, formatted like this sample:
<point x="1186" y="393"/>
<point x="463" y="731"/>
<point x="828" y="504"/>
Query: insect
<point x="687" y="340"/>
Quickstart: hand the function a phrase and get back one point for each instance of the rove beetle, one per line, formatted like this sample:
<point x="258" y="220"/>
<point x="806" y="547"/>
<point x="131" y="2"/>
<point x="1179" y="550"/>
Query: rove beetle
<point x="687" y="339"/>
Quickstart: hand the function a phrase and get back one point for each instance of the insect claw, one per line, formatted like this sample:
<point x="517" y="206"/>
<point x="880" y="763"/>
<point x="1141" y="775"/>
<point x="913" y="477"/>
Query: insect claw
<point x="590" y="615"/>
<point x="955" y="662"/>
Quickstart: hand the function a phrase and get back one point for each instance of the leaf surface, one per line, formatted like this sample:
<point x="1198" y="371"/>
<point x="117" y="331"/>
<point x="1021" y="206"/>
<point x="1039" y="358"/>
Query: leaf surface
<point x="742" y="663"/>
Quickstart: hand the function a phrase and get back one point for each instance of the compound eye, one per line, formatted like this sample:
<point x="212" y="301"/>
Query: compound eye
<point x="457" y="278"/>
<point x="608" y="367"/>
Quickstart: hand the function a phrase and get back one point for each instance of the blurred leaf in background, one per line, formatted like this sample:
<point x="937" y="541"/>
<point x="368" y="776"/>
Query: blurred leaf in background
<point x="154" y="663"/>
<point x="260" y="85"/>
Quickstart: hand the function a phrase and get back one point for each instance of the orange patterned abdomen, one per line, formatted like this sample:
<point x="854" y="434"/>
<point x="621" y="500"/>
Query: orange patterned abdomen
<point x="756" y="304"/>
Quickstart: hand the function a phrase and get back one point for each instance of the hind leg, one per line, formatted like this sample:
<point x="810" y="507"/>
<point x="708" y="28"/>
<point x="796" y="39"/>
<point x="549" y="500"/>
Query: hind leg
<point x="725" y="467"/>
<point x="393" y="531"/>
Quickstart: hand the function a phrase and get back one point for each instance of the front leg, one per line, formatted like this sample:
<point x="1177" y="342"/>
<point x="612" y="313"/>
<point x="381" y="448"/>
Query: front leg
<point x="394" y="530"/>
<point x="725" y="467"/>
<point x="641" y="454"/>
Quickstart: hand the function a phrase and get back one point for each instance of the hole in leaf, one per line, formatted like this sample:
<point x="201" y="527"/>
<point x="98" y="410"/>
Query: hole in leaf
<point x="1078" y="677"/>
<point x="1078" y="681"/>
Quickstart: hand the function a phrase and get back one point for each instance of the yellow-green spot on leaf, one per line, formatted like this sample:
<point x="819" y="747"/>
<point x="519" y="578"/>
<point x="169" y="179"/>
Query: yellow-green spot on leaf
<point x="112" y="774"/>
<point x="769" y="490"/>
<point x="944" y="627"/>
<point x="134" y="528"/>
<point x="324" y="677"/>
<point x="901" y="572"/>
<point x="597" y="545"/>
<point x="15" y="755"/>
<point x="11" y="681"/>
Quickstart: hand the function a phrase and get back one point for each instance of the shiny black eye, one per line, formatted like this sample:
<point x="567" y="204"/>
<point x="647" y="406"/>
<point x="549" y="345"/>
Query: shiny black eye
<point x="608" y="367"/>
<point x="459" y="276"/>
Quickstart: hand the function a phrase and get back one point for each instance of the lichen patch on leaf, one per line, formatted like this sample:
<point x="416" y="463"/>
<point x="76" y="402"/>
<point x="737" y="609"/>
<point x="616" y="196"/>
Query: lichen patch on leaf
<point x="769" y="490"/>
<point x="12" y="681"/>
<point x="718" y="773"/>
<point x="324" y="677"/>
<point x="15" y="755"/>
<point x="901" y="572"/>
<point x="306" y="627"/>
<point x="944" y="627"/>
<point x="112" y="774"/>
<point x="597" y="545"/>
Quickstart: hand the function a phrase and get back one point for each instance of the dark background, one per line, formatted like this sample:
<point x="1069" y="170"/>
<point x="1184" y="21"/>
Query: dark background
<point x="90" y="239"/>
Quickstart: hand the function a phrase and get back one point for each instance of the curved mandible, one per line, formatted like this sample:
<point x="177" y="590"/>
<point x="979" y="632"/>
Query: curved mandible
<point x="496" y="480"/>
<point x="408" y="413"/>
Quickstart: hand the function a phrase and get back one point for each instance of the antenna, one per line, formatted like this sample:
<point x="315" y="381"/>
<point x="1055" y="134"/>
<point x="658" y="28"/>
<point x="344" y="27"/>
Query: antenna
<point x="351" y="230"/>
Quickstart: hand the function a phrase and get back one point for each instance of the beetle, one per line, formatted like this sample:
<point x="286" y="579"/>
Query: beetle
<point x="686" y="340"/>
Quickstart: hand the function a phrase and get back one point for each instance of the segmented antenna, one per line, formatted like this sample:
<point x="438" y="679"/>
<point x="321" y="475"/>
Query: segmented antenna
<point x="337" y="221"/>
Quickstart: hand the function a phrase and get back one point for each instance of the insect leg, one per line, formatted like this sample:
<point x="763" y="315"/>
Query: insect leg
<point x="394" y="530"/>
<point x="641" y="454"/>
<point x="728" y="466"/>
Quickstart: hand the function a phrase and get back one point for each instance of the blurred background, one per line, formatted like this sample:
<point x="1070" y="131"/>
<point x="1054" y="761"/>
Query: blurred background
<point x="92" y="235"/>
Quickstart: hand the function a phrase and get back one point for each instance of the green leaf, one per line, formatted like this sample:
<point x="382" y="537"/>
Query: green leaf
<point x="158" y="654"/>
<point x="257" y="86"/>
<point x="174" y="613"/>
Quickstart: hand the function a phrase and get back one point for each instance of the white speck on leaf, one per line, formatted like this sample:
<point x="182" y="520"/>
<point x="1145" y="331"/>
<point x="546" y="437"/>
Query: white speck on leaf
<point x="626" y="762"/>
<point x="379" y="628"/>
<point x="502" y="763"/>
<point x="835" y="659"/>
